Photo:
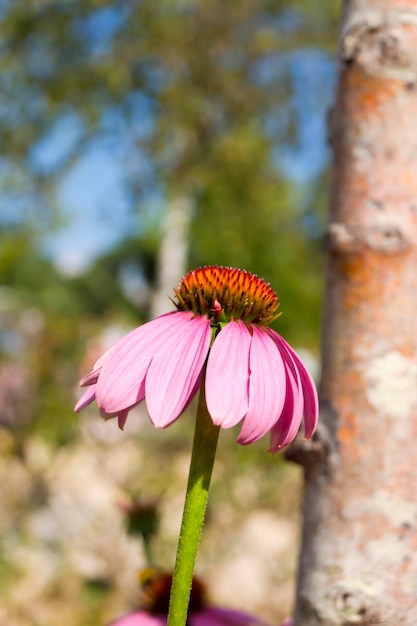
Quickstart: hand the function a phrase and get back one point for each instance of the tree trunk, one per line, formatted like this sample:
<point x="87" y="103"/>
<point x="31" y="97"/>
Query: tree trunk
<point x="173" y="253"/>
<point x="358" y="564"/>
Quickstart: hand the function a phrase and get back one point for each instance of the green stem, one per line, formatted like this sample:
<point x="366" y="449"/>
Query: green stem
<point x="201" y="467"/>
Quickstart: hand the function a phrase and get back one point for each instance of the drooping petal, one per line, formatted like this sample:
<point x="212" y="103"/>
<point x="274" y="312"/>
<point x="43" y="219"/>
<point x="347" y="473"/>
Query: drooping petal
<point x="266" y="387"/>
<point x="121" y="418"/>
<point x="140" y="618"/>
<point x="87" y="398"/>
<point x="122" y="377"/>
<point x="92" y="377"/>
<point x="311" y="401"/>
<point x="227" y="376"/>
<point x="287" y="427"/>
<point x="174" y="370"/>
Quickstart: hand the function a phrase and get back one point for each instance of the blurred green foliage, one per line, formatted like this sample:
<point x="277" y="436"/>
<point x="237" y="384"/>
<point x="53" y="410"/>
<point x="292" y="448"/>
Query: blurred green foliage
<point x="192" y="84"/>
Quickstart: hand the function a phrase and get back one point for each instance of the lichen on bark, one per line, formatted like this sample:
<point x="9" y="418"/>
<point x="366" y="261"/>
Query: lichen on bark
<point x="358" y="562"/>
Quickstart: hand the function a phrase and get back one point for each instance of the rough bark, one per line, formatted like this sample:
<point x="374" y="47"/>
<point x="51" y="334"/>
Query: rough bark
<point x="358" y="563"/>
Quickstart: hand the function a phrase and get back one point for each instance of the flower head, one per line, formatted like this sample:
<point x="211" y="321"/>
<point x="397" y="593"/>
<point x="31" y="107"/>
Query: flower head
<point x="210" y="616"/>
<point x="222" y="320"/>
<point x="157" y="587"/>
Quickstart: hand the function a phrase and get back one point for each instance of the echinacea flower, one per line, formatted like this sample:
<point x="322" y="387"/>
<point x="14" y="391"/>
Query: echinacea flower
<point x="210" y="616"/>
<point x="253" y="376"/>
<point x="157" y="589"/>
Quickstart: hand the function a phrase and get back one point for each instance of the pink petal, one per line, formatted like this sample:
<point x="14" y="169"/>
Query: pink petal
<point x="175" y="369"/>
<point x="121" y="416"/>
<point x="227" y="377"/>
<point x="122" y="377"/>
<point x="266" y="387"/>
<point x="311" y="401"/>
<point x="139" y="618"/>
<point x="289" y="422"/>
<point x="87" y="398"/>
<point x="92" y="377"/>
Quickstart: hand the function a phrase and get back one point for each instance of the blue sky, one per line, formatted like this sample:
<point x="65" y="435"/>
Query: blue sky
<point x="93" y="203"/>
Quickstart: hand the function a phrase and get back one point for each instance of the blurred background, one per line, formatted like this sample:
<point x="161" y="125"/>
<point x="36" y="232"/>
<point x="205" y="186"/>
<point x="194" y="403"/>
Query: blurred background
<point x="139" y="139"/>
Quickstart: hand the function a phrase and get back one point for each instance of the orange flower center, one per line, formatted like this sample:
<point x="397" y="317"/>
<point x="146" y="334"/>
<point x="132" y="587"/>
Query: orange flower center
<point x="156" y="587"/>
<point x="226" y="293"/>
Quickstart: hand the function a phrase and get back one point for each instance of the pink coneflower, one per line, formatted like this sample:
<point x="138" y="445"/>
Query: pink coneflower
<point x="222" y="320"/>
<point x="210" y="616"/>
<point x="157" y="590"/>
